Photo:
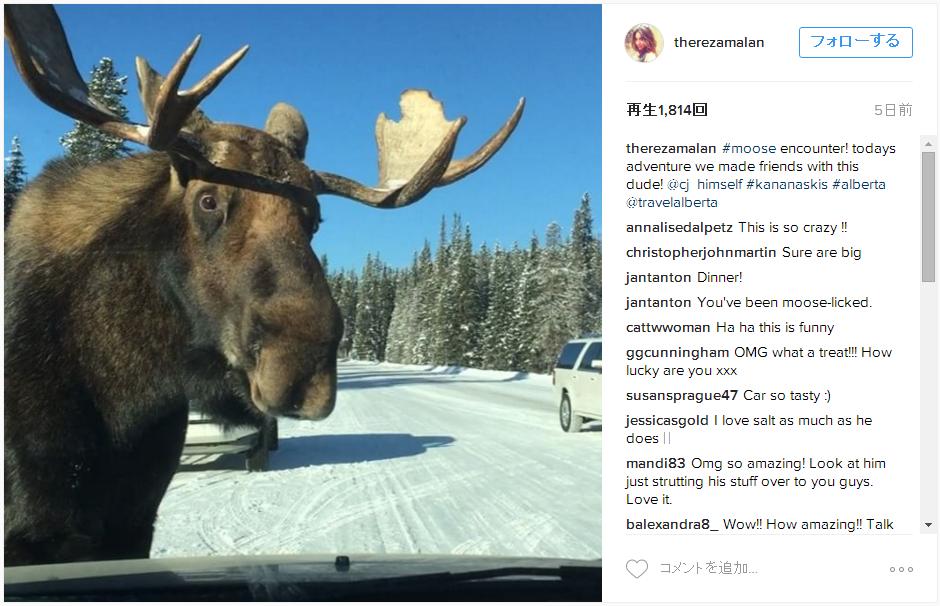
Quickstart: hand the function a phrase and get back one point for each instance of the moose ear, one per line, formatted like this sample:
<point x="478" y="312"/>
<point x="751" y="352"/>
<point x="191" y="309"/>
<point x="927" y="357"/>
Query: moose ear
<point x="181" y="171"/>
<point x="286" y="125"/>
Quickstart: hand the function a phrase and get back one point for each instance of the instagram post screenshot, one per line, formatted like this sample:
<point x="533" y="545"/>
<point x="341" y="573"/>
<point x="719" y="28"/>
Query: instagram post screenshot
<point x="309" y="302"/>
<point x="770" y="303"/>
<point x="286" y="289"/>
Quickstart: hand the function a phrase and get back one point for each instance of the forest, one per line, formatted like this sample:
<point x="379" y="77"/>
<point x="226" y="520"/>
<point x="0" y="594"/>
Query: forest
<point x="500" y="308"/>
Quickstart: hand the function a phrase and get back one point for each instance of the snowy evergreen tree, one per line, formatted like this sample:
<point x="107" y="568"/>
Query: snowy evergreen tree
<point x="441" y="320"/>
<point x="345" y="289"/>
<point x="388" y="280"/>
<point x="373" y="310"/>
<point x="525" y="317"/>
<point x="458" y="300"/>
<point x="87" y="144"/>
<point x="558" y="304"/>
<point x="506" y="310"/>
<point x="595" y="289"/>
<point x="404" y="317"/>
<point x="14" y="178"/>
<point x="497" y="351"/>
<point x="365" y="313"/>
<point x="585" y="261"/>
<point x="425" y="308"/>
<point x="483" y="261"/>
<point x="474" y="300"/>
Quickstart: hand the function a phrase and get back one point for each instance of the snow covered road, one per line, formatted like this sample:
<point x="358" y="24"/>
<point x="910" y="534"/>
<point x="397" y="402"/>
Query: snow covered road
<point x="412" y="460"/>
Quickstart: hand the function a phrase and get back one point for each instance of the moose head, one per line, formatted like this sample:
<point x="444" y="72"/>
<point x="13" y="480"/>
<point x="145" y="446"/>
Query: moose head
<point x="245" y="274"/>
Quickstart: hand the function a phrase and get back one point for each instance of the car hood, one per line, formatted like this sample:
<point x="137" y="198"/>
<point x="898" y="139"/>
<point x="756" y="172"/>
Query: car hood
<point x="308" y="577"/>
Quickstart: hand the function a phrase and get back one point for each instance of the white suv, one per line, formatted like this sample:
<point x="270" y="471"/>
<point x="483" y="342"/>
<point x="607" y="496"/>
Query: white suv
<point x="577" y="381"/>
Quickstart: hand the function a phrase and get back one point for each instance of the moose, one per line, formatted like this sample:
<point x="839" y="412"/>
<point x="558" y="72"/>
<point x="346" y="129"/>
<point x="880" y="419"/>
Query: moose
<point x="181" y="275"/>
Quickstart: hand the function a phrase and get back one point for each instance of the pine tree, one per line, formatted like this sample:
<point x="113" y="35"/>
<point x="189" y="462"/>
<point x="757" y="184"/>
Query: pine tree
<point x="558" y="303"/>
<point x="505" y="310"/>
<point x="476" y="289"/>
<point x="403" y="317"/>
<point x="595" y="288"/>
<point x="459" y="302"/>
<point x="497" y="349"/>
<point x="85" y="143"/>
<point x="483" y="261"/>
<point x="441" y="319"/>
<point x="345" y="289"/>
<point x="425" y="308"/>
<point x="373" y="310"/>
<point x="14" y="178"/>
<point x="387" y="285"/>
<point x="365" y="313"/>
<point x="585" y="261"/>
<point x="525" y="318"/>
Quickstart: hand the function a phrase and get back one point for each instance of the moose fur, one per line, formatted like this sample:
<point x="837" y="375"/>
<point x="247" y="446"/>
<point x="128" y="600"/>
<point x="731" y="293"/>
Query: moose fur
<point x="140" y="286"/>
<point x="124" y="303"/>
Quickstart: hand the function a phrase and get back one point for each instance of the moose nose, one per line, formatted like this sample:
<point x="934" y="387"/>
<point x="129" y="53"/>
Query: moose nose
<point x="312" y="398"/>
<point x="295" y="380"/>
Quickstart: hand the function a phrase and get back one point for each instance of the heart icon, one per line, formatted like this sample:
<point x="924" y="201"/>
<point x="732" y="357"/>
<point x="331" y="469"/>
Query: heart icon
<point x="637" y="568"/>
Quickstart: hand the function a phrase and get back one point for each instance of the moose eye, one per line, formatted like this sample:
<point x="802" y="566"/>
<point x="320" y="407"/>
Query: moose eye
<point x="208" y="203"/>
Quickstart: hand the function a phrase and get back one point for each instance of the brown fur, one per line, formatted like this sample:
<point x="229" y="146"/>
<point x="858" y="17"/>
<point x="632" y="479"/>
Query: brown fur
<point x="125" y="301"/>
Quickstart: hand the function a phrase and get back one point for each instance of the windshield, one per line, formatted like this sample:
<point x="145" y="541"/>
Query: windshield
<point x="444" y="320"/>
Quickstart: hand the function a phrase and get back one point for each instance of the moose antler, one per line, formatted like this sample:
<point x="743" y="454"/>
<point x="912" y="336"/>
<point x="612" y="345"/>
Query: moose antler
<point x="171" y="108"/>
<point x="415" y="154"/>
<point x="42" y="55"/>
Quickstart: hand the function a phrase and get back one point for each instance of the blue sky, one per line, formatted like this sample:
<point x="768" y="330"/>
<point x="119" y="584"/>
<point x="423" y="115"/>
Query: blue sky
<point x="341" y="66"/>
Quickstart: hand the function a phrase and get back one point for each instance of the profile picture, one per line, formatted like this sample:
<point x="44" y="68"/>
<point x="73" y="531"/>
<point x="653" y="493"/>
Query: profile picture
<point x="644" y="42"/>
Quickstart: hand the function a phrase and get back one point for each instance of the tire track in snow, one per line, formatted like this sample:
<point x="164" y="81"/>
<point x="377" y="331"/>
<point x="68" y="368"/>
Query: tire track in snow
<point x="510" y="482"/>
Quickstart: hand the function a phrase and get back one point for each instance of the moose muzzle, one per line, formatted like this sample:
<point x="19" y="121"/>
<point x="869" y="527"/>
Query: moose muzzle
<point x="295" y="380"/>
<point x="295" y="363"/>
